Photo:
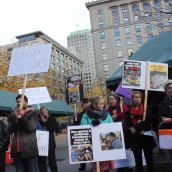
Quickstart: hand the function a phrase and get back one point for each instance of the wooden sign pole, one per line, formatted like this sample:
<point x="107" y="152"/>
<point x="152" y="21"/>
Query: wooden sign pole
<point x="38" y="106"/>
<point x="23" y="92"/>
<point x="75" y="112"/>
<point x="146" y="91"/>
<point x="98" y="166"/>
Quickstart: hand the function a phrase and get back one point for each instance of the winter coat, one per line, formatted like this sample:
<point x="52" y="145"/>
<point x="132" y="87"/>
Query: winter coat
<point x="27" y="134"/>
<point x="165" y="110"/>
<point x="132" y="140"/>
<point x="4" y="137"/>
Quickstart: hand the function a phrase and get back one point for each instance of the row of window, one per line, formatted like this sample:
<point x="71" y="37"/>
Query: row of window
<point x="134" y="7"/>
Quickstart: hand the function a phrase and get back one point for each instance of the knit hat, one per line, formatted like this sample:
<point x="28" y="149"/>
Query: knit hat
<point x="167" y="82"/>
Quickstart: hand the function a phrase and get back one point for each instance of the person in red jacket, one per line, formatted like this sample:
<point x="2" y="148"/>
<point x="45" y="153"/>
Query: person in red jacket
<point x="114" y="108"/>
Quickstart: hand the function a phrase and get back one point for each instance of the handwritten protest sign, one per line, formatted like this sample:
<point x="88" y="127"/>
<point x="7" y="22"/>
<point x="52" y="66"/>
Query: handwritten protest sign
<point x="36" y="95"/>
<point x="42" y="142"/>
<point x="91" y="144"/>
<point x="27" y="60"/>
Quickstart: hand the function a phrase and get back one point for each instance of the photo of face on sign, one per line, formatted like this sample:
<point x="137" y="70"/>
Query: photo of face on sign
<point x="74" y="97"/>
<point x="73" y="81"/>
<point x="111" y="140"/>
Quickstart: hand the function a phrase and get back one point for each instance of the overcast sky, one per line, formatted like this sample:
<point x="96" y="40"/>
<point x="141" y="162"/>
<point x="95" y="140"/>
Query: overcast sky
<point x="56" y="18"/>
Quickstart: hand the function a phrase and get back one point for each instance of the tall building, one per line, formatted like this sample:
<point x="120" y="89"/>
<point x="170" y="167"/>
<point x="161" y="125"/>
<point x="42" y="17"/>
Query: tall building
<point x="123" y="26"/>
<point x="82" y="40"/>
<point x="62" y="62"/>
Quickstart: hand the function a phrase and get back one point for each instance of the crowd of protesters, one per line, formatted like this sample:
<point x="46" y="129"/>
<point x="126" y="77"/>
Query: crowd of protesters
<point x="23" y="123"/>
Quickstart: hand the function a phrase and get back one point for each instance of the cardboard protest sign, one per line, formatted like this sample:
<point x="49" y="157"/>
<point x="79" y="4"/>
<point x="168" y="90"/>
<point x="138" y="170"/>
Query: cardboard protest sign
<point x="134" y="75"/>
<point x="42" y="142"/>
<point x="158" y="75"/>
<point x="129" y="161"/>
<point x="36" y="95"/>
<point x="91" y="144"/>
<point x="27" y="60"/>
<point x="74" y="89"/>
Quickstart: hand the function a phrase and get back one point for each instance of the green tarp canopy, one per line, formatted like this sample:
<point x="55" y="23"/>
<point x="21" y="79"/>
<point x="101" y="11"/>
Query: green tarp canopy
<point x="158" y="49"/>
<point x="8" y="103"/>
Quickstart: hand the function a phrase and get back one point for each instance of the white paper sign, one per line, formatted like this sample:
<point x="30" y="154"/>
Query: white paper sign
<point x="129" y="161"/>
<point x="36" y="95"/>
<point x="42" y="142"/>
<point x="27" y="60"/>
<point x="90" y="144"/>
<point x="165" y="141"/>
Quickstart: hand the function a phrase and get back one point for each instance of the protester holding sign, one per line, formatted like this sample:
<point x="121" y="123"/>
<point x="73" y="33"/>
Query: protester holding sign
<point x="135" y="128"/>
<point x="24" y="148"/>
<point x="96" y="114"/>
<point x="165" y="113"/>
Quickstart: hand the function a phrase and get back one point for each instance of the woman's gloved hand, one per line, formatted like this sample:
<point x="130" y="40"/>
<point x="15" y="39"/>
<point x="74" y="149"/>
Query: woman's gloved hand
<point x="96" y="122"/>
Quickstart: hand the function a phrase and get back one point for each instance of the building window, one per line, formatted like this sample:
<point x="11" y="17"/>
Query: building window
<point x="104" y="56"/>
<point x="62" y="55"/>
<point x="100" y="14"/>
<point x="124" y="9"/>
<point x="148" y="26"/>
<point x="156" y="3"/>
<point x="106" y="68"/>
<point x="75" y="69"/>
<point x="101" y="25"/>
<point x="170" y="22"/>
<point x="118" y="43"/>
<point x="128" y="41"/>
<point x="117" y="32"/>
<point x="57" y="60"/>
<point x="53" y="65"/>
<point x="167" y="2"/>
<point x="114" y="11"/>
<point x="139" y="39"/>
<point x="134" y="7"/>
<point x="52" y="50"/>
<point x="160" y="24"/>
<point x="120" y="53"/>
<point x="125" y="20"/>
<point x="57" y="52"/>
<point x="158" y="14"/>
<point x="70" y="66"/>
<point x="127" y="30"/>
<point x="107" y="76"/>
<point x="169" y="12"/>
<point x="62" y="63"/>
<point x="147" y="16"/>
<point x="120" y="64"/>
<point x="52" y="57"/>
<point x="74" y="62"/>
<point x="58" y="68"/>
<point x="103" y="45"/>
<point x="150" y="36"/>
<point x="70" y="60"/>
<point x="161" y="33"/>
<point x="130" y="51"/>
<point x="137" y="28"/>
<point x="136" y="18"/>
<point x="115" y="22"/>
<point x="145" y="5"/>
<point x="102" y="35"/>
<point x="63" y="70"/>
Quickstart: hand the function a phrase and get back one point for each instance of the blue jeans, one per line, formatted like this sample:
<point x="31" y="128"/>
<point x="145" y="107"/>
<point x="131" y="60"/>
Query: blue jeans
<point x="25" y="164"/>
<point x="169" y="154"/>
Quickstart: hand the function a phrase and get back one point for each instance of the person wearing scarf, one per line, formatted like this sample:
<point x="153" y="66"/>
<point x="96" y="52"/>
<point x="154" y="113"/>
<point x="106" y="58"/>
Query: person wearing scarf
<point x="135" y="138"/>
<point x="114" y="108"/>
<point x="96" y="114"/>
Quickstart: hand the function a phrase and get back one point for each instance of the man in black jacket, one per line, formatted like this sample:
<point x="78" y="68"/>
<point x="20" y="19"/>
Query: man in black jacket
<point x="4" y="142"/>
<point x="24" y="148"/>
<point x="49" y="123"/>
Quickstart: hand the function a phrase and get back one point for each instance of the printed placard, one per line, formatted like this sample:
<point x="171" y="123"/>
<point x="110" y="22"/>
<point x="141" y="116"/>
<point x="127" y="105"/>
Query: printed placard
<point x="27" y="60"/>
<point x="36" y="95"/>
<point x="101" y="143"/>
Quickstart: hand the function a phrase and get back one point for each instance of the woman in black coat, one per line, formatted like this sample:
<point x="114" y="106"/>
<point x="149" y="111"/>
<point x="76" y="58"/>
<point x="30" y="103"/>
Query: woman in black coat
<point x="134" y="132"/>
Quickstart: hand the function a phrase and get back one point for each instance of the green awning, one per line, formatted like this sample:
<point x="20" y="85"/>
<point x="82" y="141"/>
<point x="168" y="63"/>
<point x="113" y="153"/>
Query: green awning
<point x="158" y="49"/>
<point x="8" y="103"/>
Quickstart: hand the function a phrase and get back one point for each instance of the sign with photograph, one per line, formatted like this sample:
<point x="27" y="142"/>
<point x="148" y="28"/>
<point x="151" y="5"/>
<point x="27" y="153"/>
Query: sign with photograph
<point x="134" y="75"/>
<point x="27" y="60"/>
<point x="36" y="95"/>
<point x="91" y="144"/>
<point x="74" y="89"/>
<point x="42" y="142"/>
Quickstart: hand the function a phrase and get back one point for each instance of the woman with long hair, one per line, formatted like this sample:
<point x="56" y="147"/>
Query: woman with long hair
<point x="96" y="114"/>
<point x="135" y="129"/>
